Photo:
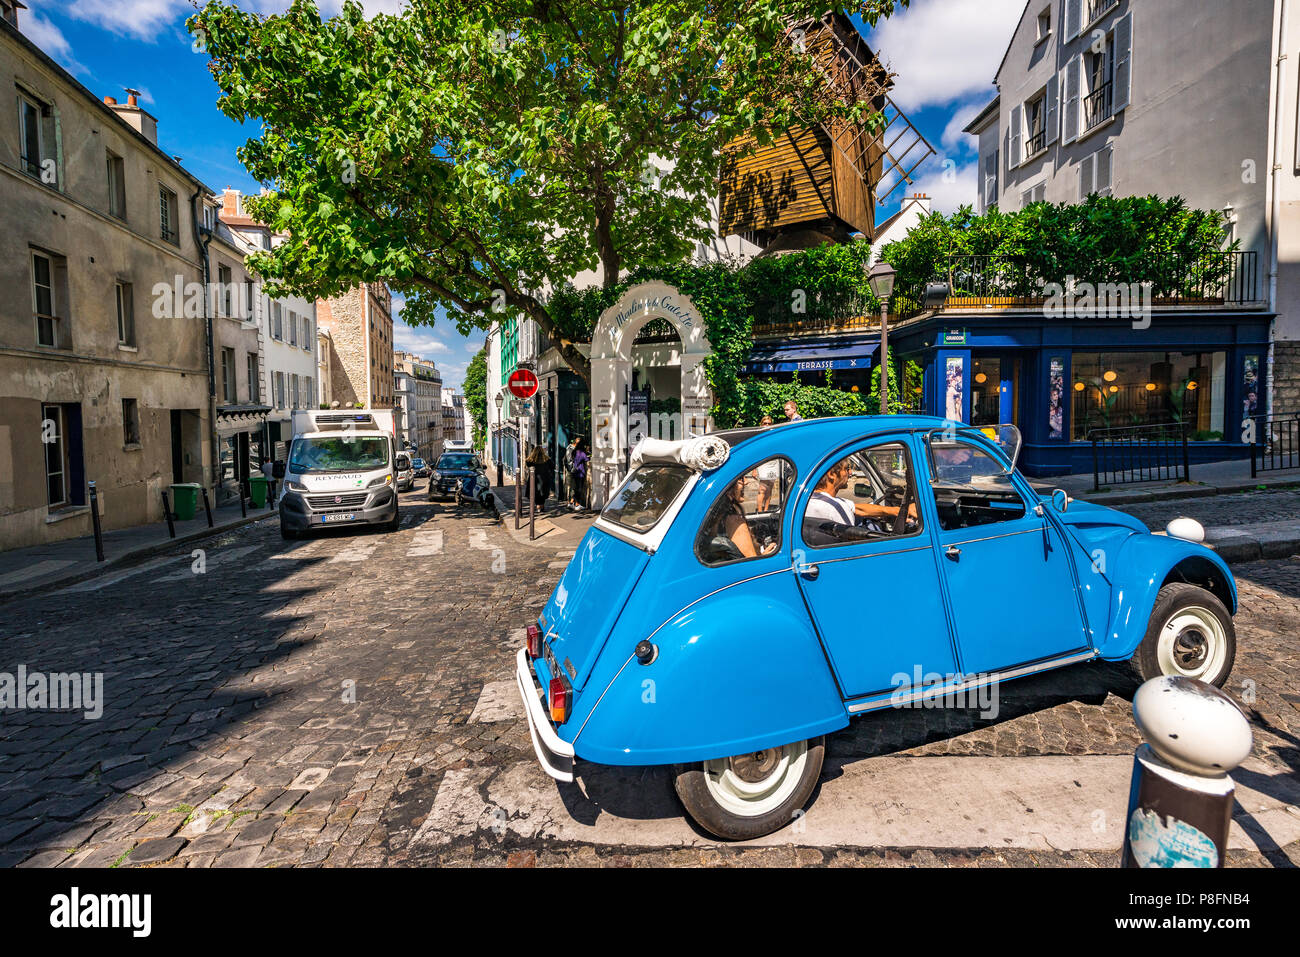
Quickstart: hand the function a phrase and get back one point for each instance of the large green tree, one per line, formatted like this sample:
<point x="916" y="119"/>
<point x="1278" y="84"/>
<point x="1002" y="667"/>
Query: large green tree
<point x="474" y="389"/>
<point x="477" y="153"/>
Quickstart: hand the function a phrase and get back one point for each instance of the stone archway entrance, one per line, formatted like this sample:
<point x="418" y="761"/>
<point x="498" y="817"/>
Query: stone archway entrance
<point x="611" y="374"/>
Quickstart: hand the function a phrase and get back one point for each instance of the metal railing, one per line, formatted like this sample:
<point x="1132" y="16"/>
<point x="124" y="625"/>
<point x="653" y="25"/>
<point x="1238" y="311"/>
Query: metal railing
<point x="1139" y="453"/>
<point x="1221" y="278"/>
<point x="1098" y="106"/>
<point x="1036" y="142"/>
<point x="1276" y="443"/>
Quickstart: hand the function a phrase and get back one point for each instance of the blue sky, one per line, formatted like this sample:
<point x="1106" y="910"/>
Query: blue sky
<point x="944" y="52"/>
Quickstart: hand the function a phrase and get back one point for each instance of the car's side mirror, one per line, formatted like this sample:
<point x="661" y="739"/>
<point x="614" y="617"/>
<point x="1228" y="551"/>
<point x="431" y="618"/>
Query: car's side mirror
<point x="1060" y="500"/>
<point x="862" y="490"/>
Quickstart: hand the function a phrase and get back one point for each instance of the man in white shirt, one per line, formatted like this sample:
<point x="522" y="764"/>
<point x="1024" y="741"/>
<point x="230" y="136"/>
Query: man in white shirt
<point x="827" y="505"/>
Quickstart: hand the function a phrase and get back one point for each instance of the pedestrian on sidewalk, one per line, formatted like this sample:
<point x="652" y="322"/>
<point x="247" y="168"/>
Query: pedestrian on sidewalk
<point x="575" y="468"/>
<point x="540" y="460"/>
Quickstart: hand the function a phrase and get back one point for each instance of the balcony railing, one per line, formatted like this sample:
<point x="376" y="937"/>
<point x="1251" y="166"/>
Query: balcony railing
<point x="1095" y="8"/>
<point x="1216" y="279"/>
<point x="1036" y="142"/>
<point x="1098" y="106"/>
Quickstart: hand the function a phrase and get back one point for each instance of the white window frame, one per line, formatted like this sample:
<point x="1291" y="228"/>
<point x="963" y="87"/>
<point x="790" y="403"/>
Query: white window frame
<point x="122" y="299"/>
<point x="60" y="439"/>
<point x="168" y="210"/>
<point x="53" y="315"/>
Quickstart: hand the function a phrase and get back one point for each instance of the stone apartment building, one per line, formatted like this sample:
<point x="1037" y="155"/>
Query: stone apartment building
<point x="103" y="356"/>
<point x="418" y="388"/>
<point x="287" y="331"/>
<point x="453" y="416"/>
<point x="360" y="325"/>
<point x="1166" y="97"/>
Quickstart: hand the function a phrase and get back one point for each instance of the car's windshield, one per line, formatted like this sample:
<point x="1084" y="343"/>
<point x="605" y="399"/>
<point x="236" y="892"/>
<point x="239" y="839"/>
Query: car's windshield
<point x="647" y="494"/>
<point x="357" y="453"/>
<point x="418" y="463"/>
<point x="403" y="461"/>
<point x="462" y="461"/>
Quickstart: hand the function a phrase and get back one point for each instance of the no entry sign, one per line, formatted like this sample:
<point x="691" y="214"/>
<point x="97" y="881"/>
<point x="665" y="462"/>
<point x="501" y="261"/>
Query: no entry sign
<point x="522" y="383"/>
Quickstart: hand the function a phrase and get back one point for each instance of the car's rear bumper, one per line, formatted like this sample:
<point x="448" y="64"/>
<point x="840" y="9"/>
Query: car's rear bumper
<point x="554" y="755"/>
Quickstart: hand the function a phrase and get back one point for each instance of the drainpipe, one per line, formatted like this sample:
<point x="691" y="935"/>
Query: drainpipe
<point x="1275" y="198"/>
<point x="202" y="242"/>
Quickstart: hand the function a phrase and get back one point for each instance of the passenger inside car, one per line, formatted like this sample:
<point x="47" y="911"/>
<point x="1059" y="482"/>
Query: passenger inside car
<point x="733" y="526"/>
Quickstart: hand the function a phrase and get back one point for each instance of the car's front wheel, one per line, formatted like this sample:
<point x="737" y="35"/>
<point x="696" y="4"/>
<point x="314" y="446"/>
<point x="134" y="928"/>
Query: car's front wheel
<point x="1190" y="633"/>
<point x="749" y="795"/>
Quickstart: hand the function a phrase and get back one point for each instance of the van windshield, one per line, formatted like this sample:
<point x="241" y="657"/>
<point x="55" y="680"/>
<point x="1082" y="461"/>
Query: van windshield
<point x="356" y="454"/>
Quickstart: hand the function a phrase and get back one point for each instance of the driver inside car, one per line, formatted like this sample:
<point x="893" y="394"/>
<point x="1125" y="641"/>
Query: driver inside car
<point x="827" y="505"/>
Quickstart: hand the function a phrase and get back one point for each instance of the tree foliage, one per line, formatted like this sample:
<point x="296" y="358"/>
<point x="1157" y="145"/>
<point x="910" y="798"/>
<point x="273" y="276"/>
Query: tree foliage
<point x="474" y="389"/>
<point x="477" y="153"/>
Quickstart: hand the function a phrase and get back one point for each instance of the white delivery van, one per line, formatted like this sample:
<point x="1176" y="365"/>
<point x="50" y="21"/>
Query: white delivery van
<point x="341" y="470"/>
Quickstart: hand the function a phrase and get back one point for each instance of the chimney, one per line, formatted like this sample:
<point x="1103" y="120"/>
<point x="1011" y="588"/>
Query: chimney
<point x="143" y="122"/>
<point x="9" y="11"/>
<point x="231" y="202"/>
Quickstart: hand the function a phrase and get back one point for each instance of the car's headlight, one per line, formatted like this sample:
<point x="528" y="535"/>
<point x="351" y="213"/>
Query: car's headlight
<point x="436" y="475"/>
<point x="295" y="486"/>
<point x="381" y="480"/>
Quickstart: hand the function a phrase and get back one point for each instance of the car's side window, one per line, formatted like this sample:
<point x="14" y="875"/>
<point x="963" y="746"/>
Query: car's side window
<point x="745" y="521"/>
<point x="865" y="496"/>
<point x="971" y="486"/>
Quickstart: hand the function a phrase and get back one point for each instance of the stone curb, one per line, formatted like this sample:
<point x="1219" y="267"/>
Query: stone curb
<point x="1191" y="490"/>
<point x="131" y="557"/>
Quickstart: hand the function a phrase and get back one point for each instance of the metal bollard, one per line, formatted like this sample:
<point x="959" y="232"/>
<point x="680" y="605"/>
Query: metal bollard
<point x="94" y="521"/>
<point x="243" y="505"/>
<point x="167" y="511"/>
<point x="518" y="494"/>
<point x="207" y="507"/>
<point x="1180" y="798"/>
<point x="532" y="502"/>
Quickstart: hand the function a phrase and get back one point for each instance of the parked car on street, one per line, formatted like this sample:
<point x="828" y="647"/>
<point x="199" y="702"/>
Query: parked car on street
<point x="450" y="467"/>
<point x="745" y="593"/>
<point x="422" y="468"/>
<point x="405" y="473"/>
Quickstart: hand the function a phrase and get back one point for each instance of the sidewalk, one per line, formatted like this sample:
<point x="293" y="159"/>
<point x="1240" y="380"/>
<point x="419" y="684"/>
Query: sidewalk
<point x="27" y="570"/>
<point x="1210" y="478"/>
<point x="555" y="525"/>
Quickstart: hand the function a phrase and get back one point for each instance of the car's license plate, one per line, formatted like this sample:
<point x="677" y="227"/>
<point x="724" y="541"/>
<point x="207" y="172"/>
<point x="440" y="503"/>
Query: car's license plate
<point x="350" y="516"/>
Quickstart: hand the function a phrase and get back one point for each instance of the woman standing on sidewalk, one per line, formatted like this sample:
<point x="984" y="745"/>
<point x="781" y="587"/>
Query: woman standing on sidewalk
<point x="575" y="460"/>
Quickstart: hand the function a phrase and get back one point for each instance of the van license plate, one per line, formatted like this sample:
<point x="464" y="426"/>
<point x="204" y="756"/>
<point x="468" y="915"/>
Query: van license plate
<point x="350" y="516"/>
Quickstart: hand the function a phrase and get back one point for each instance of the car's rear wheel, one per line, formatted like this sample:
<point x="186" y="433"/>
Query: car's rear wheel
<point x="1190" y="633"/>
<point x="749" y="795"/>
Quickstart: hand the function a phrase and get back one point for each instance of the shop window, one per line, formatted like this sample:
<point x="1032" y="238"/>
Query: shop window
<point x="988" y="376"/>
<point x="1111" y="390"/>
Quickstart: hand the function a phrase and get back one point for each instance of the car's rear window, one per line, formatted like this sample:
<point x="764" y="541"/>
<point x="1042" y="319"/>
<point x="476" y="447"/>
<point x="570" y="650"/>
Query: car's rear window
<point x="646" y="496"/>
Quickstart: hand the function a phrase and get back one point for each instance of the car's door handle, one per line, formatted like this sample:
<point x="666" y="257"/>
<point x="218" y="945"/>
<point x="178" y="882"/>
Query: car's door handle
<point x="808" y="572"/>
<point x="953" y="552"/>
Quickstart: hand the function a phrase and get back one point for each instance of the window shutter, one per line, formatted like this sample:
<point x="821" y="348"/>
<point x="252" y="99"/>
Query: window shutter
<point x="1104" y="163"/>
<point x="990" y="180"/>
<point x="1052" y="107"/>
<point x="1015" y="152"/>
<point x="1071" y="19"/>
<point x="1123" y="60"/>
<point x="1087" y="175"/>
<point x="1070" y="114"/>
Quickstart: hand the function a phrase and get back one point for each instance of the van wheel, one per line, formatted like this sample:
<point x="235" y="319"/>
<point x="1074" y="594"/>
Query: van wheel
<point x="749" y="795"/>
<point x="1190" y="633"/>
<point x="391" y="526"/>
<point x="287" y="533"/>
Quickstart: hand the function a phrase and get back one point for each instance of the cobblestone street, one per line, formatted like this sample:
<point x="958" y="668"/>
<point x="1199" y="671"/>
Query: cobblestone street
<point x="350" y="700"/>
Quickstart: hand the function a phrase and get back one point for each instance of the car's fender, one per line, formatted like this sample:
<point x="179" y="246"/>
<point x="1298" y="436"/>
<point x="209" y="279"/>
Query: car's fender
<point x="1144" y="564"/>
<point x="740" y="672"/>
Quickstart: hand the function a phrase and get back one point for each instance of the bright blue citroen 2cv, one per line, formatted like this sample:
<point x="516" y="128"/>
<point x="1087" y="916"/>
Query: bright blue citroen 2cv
<point x="745" y="593"/>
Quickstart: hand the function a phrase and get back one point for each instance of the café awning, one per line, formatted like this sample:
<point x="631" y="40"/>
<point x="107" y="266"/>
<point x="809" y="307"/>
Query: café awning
<point x="816" y="356"/>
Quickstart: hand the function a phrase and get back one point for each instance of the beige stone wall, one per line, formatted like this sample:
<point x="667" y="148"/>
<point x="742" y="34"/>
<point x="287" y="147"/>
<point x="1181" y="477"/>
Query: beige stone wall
<point x="361" y="374"/>
<point x="164" y="368"/>
<point x="1286" y="377"/>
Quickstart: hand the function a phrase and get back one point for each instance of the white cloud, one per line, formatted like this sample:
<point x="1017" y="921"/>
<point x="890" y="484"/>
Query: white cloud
<point x="148" y="19"/>
<point x="953" y="139"/>
<point x="51" y="40"/>
<point x="945" y="50"/>
<point x="422" y="342"/>
<point x="958" y="185"/>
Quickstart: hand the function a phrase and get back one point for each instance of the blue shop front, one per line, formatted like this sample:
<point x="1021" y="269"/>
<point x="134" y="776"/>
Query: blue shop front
<point x="1058" y="379"/>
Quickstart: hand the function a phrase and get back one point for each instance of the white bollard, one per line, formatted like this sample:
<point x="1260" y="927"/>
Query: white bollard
<point x="1180" y="799"/>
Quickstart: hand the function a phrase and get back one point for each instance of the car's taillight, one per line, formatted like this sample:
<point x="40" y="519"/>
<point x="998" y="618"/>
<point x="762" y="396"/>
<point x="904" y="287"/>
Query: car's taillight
<point x="561" y="700"/>
<point x="534" y="641"/>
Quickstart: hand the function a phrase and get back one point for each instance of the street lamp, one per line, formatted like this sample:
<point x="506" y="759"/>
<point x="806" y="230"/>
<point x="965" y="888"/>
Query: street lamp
<point x="881" y="280"/>
<point x="496" y="453"/>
